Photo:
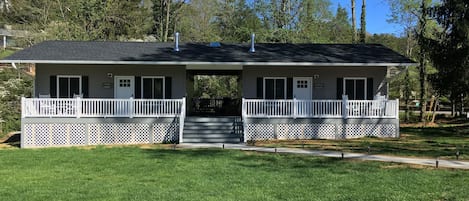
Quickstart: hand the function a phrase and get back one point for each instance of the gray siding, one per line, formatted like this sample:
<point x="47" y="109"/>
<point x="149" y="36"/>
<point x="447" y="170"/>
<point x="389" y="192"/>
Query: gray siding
<point x="326" y="84"/>
<point x="98" y="76"/>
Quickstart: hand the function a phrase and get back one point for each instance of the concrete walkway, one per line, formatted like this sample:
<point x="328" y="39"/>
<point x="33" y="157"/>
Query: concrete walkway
<point x="336" y="154"/>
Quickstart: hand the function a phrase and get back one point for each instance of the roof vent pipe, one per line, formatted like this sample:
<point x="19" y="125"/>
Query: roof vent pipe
<point x="252" y="50"/>
<point x="176" y="42"/>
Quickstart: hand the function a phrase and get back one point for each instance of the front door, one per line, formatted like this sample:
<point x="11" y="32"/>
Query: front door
<point x="124" y="86"/>
<point x="302" y="88"/>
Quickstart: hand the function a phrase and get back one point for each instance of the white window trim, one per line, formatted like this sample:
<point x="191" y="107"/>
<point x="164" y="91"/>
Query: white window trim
<point x="69" y="76"/>
<point x="355" y="78"/>
<point x="160" y="77"/>
<point x="275" y="78"/>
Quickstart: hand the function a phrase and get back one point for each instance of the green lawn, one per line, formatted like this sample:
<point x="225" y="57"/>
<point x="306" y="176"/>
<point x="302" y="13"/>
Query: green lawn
<point x="442" y="142"/>
<point x="5" y="53"/>
<point x="132" y="173"/>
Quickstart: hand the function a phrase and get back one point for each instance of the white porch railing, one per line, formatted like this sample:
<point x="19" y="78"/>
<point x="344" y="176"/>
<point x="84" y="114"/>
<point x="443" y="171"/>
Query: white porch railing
<point x="259" y="108"/>
<point x="92" y="107"/>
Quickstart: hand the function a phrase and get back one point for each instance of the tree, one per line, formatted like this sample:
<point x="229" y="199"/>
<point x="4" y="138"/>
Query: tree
<point x="449" y="52"/>
<point x="354" y="23"/>
<point x="405" y="13"/>
<point x="12" y="88"/>
<point x="165" y="15"/>
<point x="341" y="31"/>
<point x="363" y="23"/>
<point x="236" y="21"/>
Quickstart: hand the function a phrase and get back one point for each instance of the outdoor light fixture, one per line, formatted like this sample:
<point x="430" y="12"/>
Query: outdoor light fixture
<point x="109" y="74"/>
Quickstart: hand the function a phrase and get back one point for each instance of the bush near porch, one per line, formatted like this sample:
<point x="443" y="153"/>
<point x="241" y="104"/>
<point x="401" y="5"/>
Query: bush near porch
<point x="156" y="173"/>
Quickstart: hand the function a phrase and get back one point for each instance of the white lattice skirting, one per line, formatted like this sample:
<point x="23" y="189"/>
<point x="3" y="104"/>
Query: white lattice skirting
<point x="293" y="131"/>
<point x="76" y="134"/>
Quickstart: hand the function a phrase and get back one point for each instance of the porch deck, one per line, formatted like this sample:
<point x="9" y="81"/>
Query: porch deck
<point x="89" y="121"/>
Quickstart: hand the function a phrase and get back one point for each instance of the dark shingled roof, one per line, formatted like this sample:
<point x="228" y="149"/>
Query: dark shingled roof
<point x="202" y="52"/>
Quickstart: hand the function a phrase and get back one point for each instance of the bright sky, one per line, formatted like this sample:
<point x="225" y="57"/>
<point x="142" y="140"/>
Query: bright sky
<point x="377" y="12"/>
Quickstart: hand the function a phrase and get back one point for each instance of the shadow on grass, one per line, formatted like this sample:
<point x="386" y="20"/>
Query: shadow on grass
<point x="251" y="160"/>
<point x="13" y="140"/>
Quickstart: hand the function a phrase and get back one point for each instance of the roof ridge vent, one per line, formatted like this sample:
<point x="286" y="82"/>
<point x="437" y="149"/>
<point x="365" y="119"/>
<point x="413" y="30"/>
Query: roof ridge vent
<point x="176" y="42"/>
<point x="252" y="50"/>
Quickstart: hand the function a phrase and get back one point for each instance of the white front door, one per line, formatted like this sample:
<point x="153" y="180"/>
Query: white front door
<point x="302" y="88"/>
<point x="124" y="86"/>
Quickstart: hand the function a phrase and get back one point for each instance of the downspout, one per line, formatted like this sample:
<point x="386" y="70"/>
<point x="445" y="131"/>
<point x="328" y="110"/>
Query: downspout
<point x="14" y="65"/>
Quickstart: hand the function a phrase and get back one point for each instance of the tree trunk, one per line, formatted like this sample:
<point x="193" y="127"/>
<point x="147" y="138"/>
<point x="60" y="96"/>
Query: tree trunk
<point x="354" y="23"/>
<point x="161" y="33"/>
<point x="422" y="69"/>
<point x="406" y="96"/>
<point x="407" y="88"/>
<point x="168" y="8"/>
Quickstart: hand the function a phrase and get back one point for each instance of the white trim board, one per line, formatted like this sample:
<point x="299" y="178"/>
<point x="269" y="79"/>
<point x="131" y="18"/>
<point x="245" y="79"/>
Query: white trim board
<point x="195" y="63"/>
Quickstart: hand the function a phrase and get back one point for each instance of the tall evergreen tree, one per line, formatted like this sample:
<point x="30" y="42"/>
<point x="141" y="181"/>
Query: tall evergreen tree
<point x="363" y="23"/>
<point x="449" y="52"/>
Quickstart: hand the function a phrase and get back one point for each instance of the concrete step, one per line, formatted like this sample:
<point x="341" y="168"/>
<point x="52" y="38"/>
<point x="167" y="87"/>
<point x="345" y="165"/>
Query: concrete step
<point x="213" y="119"/>
<point x="212" y="140"/>
<point x="203" y="132"/>
<point x="212" y="124"/>
<point x="211" y="127"/>
<point x="212" y="130"/>
<point x="211" y="136"/>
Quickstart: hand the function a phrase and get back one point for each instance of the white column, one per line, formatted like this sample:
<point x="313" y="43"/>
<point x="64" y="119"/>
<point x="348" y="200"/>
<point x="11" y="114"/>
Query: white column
<point x="4" y="42"/>
<point x="344" y="106"/>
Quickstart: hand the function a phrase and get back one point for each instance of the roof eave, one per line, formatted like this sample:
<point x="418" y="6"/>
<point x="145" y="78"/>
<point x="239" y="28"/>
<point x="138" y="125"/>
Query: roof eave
<point x="247" y="63"/>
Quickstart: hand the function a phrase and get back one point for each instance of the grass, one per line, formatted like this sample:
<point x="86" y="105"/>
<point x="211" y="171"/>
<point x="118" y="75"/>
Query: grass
<point x="5" y="53"/>
<point x="155" y="173"/>
<point x="442" y="142"/>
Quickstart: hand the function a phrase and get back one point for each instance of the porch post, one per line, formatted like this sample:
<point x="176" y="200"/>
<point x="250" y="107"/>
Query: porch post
<point x="23" y="112"/>
<point x="131" y="107"/>
<point x="344" y="106"/>
<point x="397" y="108"/>
<point x="295" y="108"/>
<point x="243" y="118"/>
<point x="181" y="119"/>
<point x="78" y="107"/>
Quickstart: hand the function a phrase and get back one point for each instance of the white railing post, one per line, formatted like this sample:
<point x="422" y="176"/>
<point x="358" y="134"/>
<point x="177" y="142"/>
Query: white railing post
<point x="78" y="107"/>
<point x="295" y="108"/>
<point x="345" y="106"/>
<point x="243" y="118"/>
<point x="23" y="108"/>
<point x="131" y="107"/>
<point x="397" y="108"/>
<point x="181" y="119"/>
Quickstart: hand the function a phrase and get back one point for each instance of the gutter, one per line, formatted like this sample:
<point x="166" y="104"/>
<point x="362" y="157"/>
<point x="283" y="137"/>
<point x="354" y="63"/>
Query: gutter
<point x="204" y="63"/>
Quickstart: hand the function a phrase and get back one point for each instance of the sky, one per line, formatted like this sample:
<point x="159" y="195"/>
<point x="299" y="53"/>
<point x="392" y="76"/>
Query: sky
<point x="377" y="12"/>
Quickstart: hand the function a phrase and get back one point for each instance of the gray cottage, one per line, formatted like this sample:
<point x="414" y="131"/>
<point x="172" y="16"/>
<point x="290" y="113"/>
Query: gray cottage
<point x="90" y="93"/>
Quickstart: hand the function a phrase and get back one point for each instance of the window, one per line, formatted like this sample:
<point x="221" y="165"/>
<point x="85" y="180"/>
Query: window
<point x="124" y="83"/>
<point x="153" y="87"/>
<point x="355" y="88"/>
<point x="68" y="85"/>
<point x="302" y="84"/>
<point x="275" y="88"/>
